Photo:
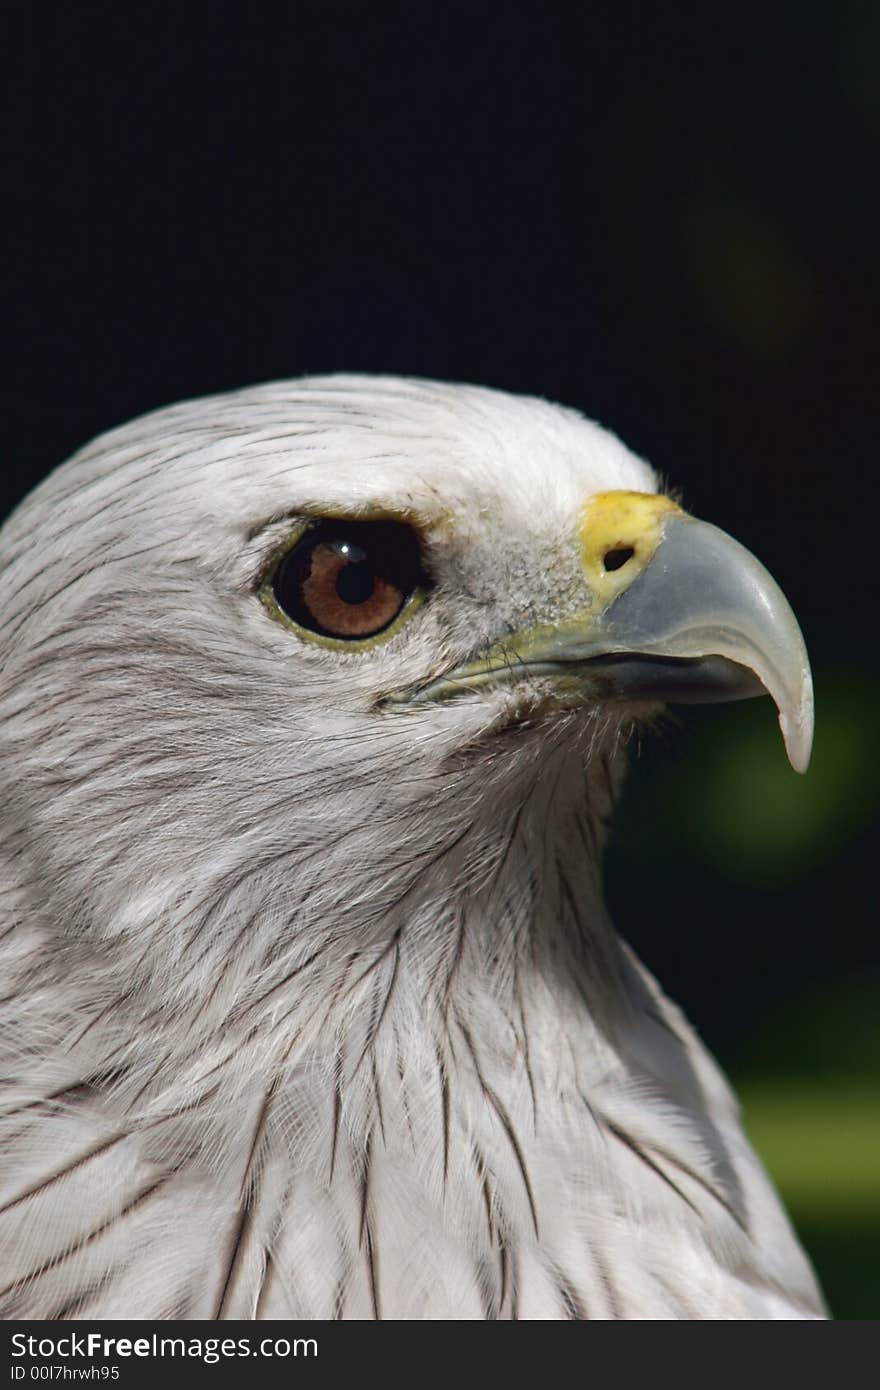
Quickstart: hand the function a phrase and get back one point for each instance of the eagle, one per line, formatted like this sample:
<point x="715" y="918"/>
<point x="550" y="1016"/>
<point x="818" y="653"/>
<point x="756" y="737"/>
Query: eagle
<point x="316" y="699"/>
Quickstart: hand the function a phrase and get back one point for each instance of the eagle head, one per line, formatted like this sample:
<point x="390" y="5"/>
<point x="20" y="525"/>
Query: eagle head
<point x="314" y="702"/>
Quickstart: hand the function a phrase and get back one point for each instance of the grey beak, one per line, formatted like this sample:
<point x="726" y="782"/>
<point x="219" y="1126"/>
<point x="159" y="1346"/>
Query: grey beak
<point x="703" y="597"/>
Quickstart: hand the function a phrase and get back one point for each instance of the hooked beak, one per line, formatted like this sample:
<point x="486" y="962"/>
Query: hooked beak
<point x="678" y="611"/>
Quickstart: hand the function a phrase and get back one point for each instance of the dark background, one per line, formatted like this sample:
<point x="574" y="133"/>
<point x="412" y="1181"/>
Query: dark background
<point x="664" y="215"/>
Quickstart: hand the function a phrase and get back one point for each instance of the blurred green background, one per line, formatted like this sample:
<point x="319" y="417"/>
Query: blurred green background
<point x="666" y="216"/>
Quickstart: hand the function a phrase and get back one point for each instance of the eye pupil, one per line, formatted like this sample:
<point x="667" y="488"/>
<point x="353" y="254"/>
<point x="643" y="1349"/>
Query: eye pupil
<point x="355" y="583"/>
<point x="348" y="580"/>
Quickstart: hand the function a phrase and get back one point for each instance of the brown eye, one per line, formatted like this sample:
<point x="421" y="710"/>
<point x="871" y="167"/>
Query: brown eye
<point x="348" y="580"/>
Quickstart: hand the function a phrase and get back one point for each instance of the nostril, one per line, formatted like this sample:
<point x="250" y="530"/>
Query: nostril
<point x="617" y="556"/>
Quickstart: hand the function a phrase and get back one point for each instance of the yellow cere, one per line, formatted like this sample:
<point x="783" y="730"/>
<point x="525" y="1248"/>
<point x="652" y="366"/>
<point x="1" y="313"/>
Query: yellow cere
<point x="611" y="524"/>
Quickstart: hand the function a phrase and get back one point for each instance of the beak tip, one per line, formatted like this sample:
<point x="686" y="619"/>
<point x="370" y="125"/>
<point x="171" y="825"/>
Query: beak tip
<point x="797" y="727"/>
